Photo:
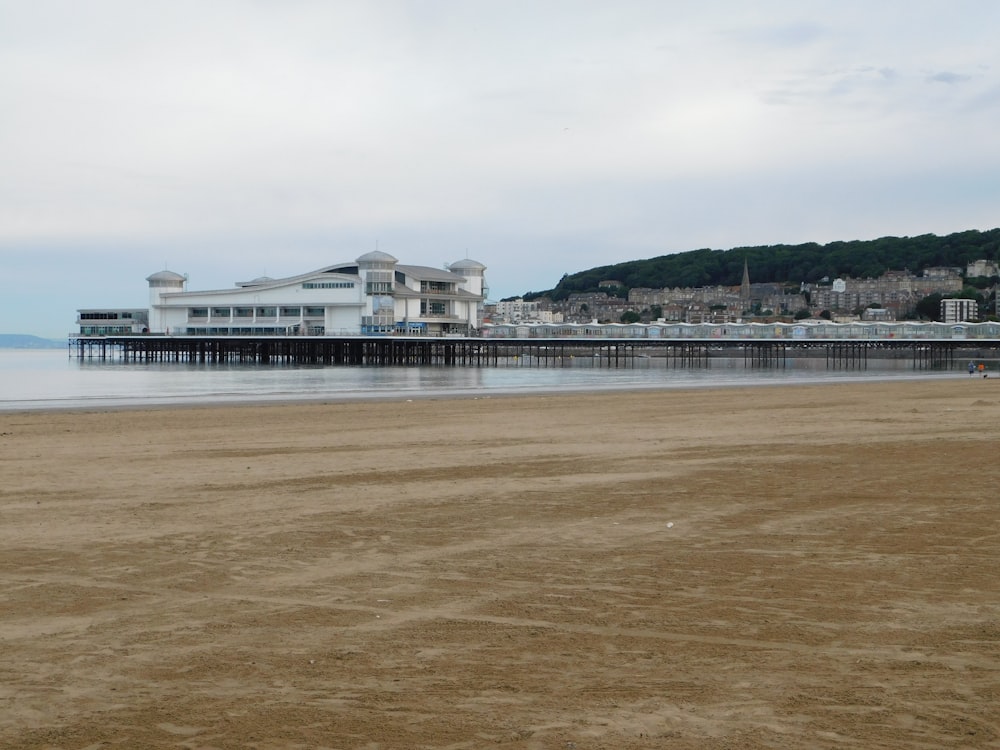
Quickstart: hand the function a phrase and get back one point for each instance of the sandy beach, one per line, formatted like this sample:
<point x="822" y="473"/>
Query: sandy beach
<point x="770" y="567"/>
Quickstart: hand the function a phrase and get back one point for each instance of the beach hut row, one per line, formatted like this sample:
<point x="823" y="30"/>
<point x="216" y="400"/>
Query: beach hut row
<point x="803" y="330"/>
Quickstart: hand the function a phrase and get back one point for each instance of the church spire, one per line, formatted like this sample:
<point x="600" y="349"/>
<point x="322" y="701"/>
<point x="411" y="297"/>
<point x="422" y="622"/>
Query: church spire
<point x="745" y="285"/>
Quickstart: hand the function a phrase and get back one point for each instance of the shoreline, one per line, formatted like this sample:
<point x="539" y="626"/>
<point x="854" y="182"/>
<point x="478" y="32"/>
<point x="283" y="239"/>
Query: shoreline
<point x="371" y="396"/>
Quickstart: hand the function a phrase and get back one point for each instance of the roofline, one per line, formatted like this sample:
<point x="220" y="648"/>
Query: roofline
<point x="273" y="283"/>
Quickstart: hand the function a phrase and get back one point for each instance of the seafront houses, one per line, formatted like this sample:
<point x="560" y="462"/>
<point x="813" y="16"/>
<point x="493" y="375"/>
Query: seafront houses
<point x="374" y="294"/>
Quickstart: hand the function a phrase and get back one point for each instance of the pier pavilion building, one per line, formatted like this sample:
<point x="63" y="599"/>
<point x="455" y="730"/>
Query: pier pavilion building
<point x="375" y="294"/>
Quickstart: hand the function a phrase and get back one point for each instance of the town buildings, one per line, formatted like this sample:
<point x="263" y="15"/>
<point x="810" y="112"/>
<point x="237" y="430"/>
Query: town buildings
<point x="516" y="310"/>
<point x="892" y="296"/>
<point x="898" y="291"/>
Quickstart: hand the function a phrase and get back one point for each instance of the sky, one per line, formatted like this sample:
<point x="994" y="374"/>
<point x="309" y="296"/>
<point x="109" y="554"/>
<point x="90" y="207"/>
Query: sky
<point x="231" y="139"/>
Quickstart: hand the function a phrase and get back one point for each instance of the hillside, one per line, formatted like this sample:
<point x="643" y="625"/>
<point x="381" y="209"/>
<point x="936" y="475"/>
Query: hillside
<point x="25" y="341"/>
<point x="810" y="262"/>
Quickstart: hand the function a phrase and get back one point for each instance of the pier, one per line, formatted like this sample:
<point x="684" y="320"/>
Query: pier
<point x="402" y="351"/>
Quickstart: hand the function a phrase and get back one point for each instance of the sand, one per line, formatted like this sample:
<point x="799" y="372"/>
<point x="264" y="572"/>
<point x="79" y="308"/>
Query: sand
<point x="774" y="567"/>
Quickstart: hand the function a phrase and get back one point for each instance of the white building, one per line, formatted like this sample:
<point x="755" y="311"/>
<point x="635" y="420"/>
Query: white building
<point x="516" y="310"/>
<point x="959" y="310"/>
<point x="110" y="322"/>
<point x="374" y="294"/>
<point x="982" y="268"/>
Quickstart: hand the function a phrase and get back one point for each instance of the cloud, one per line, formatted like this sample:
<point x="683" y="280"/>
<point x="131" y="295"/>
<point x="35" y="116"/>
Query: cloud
<point x="948" y="78"/>
<point x="784" y="35"/>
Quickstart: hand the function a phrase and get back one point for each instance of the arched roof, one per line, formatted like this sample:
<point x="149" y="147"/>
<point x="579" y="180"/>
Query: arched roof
<point x="377" y="256"/>
<point x="166" y="276"/>
<point x="466" y="265"/>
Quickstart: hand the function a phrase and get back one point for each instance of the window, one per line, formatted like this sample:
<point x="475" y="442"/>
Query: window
<point x="328" y="285"/>
<point x="428" y="307"/>
<point x="378" y="287"/>
<point x="243" y="312"/>
<point x="99" y="316"/>
<point x="436" y="287"/>
<point x="315" y="312"/>
<point x="221" y="312"/>
<point x="198" y="312"/>
<point x="267" y="312"/>
<point x="291" y="312"/>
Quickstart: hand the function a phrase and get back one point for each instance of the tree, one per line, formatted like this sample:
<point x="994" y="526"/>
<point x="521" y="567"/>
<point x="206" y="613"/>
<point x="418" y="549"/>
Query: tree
<point x="788" y="264"/>
<point x="630" y="316"/>
<point x="802" y="314"/>
<point x="929" y="308"/>
<point x="980" y="282"/>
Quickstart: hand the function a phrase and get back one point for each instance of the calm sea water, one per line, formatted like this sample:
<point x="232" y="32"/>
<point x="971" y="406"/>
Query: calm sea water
<point x="47" y="379"/>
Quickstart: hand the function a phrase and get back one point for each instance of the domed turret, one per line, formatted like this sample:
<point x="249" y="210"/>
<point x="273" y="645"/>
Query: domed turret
<point x="377" y="271"/>
<point x="166" y="279"/>
<point x="467" y="265"/>
<point x="376" y="256"/>
<point x="472" y="271"/>
<point x="160" y="283"/>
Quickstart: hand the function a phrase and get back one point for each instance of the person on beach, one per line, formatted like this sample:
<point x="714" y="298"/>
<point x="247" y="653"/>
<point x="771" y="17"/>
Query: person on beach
<point x="972" y="368"/>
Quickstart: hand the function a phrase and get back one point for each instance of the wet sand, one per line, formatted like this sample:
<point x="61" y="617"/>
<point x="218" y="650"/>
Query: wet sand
<point x="781" y="567"/>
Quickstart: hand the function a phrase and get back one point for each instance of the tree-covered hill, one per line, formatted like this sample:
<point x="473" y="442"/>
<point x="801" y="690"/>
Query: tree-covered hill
<point x="787" y="263"/>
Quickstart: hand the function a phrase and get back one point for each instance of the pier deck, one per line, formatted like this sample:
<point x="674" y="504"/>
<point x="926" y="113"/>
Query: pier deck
<point x="494" y="352"/>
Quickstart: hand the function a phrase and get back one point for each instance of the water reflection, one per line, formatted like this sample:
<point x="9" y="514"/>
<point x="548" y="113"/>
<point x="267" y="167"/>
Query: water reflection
<point x="37" y="379"/>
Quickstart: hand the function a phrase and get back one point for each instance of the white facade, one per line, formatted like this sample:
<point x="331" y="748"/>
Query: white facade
<point x="959" y="310"/>
<point x="375" y="294"/>
<point x="514" y="310"/>
<point x="109" y="322"/>
<point x="982" y="268"/>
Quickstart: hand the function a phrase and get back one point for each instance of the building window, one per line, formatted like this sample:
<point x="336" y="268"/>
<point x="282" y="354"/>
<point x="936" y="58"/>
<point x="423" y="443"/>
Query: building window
<point x="267" y="312"/>
<point x="198" y="312"/>
<point x="99" y="316"/>
<point x="221" y="312"/>
<point x="436" y="287"/>
<point x="378" y="287"/>
<point x="243" y="312"/>
<point x="291" y="312"/>
<point x="315" y="312"/>
<point x="430" y="307"/>
<point x="328" y="285"/>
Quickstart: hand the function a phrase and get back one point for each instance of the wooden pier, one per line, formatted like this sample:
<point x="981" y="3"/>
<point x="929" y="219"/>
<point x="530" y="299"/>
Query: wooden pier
<point x="385" y="351"/>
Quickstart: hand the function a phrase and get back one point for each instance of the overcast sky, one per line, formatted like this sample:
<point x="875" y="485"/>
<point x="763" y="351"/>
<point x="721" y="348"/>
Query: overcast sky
<point x="229" y="139"/>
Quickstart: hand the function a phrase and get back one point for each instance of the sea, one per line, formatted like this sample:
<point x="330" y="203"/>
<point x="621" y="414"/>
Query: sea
<point x="41" y="379"/>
